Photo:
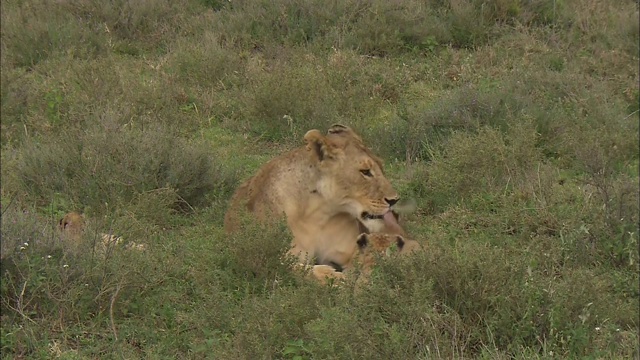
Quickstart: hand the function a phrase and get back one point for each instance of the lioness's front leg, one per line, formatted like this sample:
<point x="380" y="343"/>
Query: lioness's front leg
<point x="322" y="273"/>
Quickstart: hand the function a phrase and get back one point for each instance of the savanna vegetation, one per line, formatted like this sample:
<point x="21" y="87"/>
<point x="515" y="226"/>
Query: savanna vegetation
<point x="513" y="123"/>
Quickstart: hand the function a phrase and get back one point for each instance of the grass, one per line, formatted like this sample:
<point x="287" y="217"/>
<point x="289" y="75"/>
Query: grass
<point x="514" y="125"/>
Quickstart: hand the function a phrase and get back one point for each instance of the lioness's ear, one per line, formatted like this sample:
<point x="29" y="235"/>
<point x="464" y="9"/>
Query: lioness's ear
<point x="400" y="242"/>
<point x="339" y="130"/>
<point x="362" y="241"/>
<point x="319" y="145"/>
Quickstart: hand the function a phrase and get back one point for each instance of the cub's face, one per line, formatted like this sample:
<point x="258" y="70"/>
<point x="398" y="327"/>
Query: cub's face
<point x="378" y="244"/>
<point x="72" y="223"/>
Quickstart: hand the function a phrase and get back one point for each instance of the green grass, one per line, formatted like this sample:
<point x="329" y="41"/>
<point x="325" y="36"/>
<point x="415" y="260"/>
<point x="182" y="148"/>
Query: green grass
<point x="514" y="125"/>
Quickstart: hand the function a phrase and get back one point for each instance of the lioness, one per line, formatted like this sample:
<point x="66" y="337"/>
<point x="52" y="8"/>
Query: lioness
<point x="369" y="247"/>
<point x="330" y="191"/>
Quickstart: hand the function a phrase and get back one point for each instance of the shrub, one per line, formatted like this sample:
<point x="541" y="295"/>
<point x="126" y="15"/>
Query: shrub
<point x="36" y="31"/>
<point x="46" y="283"/>
<point x="290" y="101"/>
<point x="106" y="168"/>
<point x="133" y="27"/>
<point x="486" y="161"/>
<point x="206" y="65"/>
<point x="257" y="254"/>
<point x="421" y="126"/>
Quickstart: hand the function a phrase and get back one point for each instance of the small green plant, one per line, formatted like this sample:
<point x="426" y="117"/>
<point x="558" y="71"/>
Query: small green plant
<point x="296" y="350"/>
<point x="57" y="207"/>
<point x="54" y="101"/>
<point x="430" y="44"/>
<point x="556" y="64"/>
<point x="216" y="4"/>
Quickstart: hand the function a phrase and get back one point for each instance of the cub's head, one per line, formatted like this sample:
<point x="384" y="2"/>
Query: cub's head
<point x="379" y="244"/>
<point x="72" y="223"/>
<point x="351" y="176"/>
<point x="71" y="226"/>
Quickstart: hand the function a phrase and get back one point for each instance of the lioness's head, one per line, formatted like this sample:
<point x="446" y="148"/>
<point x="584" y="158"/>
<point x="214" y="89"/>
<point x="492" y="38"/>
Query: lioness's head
<point x="351" y="176"/>
<point x="383" y="245"/>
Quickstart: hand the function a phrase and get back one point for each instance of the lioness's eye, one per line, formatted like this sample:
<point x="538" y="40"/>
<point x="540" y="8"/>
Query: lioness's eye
<point x="366" y="172"/>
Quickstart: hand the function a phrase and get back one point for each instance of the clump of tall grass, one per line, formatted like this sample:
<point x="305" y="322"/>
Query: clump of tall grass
<point x="106" y="168"/>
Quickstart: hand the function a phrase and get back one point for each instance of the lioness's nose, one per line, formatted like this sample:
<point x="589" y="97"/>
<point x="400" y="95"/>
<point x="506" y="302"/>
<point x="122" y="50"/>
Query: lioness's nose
<point x="391" y="202"/>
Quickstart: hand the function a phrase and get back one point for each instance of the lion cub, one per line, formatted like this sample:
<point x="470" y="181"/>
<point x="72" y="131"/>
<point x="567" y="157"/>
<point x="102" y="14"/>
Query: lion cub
<point x="72" y="227"/>
<point x="370" y="246"/>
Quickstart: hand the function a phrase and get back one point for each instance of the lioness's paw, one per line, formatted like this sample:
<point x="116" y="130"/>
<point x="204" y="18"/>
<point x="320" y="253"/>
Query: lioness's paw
<point x="327" y="275"/>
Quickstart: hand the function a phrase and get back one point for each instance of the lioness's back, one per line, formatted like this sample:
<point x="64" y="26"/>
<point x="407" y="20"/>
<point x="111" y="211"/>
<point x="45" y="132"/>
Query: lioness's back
<point x="265" y="193"/>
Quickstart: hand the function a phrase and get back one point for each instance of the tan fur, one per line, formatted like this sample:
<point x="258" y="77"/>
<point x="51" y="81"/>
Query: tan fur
<point x="374" y="245"/>
<point x="72" y="227"/>
<point x="324" y="274"/>
<point x="370" y="247"/>
<point x="324" y="190"/>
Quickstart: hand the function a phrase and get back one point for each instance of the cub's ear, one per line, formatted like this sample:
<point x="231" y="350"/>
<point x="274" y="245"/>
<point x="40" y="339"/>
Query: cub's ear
<point x="318" y="144"/>
<point x="400" y="242"/>
<point x="61" y="223"/>
<point x="362" y="241"/>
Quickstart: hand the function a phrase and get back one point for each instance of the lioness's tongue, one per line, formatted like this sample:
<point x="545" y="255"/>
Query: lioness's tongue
<point x="390" y="219"/>
<point x="391" y="224"/>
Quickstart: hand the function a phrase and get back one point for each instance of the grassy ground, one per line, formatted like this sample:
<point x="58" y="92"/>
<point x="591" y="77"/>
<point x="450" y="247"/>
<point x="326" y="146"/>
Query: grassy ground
<point x="514" y="124"/>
